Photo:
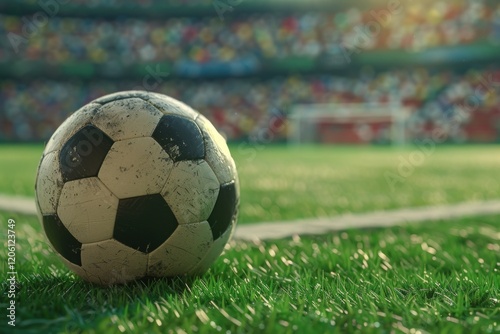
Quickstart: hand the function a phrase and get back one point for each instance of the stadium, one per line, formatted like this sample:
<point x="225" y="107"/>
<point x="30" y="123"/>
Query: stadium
<point x="365" y="135"/>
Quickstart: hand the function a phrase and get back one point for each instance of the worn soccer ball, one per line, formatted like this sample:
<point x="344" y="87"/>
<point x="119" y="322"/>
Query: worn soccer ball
<point x="137" y="184"/>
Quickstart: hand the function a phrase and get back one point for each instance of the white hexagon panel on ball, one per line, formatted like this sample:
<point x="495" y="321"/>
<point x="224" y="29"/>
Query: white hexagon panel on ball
<point x="135" y="167"/>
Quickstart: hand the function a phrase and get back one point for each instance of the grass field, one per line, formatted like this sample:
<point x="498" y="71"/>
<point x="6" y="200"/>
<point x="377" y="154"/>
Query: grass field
<point x="440" y="277"/>
<point x="282" y="183"/>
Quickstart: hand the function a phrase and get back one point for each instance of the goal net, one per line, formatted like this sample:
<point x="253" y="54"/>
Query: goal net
<point x="348" y="123"/>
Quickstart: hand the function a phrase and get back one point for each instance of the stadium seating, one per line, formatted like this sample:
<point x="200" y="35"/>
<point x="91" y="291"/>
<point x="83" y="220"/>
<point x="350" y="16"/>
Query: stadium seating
<point x="280" y="35"/>
<point x="32" y="107"/>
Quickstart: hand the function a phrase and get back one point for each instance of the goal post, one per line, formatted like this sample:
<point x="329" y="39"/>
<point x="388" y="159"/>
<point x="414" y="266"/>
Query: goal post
<point x="348" y="123"/>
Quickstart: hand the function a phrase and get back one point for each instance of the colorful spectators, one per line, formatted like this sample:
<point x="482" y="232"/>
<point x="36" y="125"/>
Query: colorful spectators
<point x="239" y="107"/>
<point x="31" y="109"/>
<point x="411" y="26"/>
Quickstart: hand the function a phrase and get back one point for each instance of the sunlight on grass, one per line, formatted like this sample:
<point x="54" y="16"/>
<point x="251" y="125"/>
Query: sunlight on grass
<point x="439" y="277"/>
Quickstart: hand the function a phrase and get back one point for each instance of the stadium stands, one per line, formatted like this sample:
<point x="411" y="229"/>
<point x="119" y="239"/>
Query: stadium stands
<point x="262" y="35"/>
<point x="32" y="107"/>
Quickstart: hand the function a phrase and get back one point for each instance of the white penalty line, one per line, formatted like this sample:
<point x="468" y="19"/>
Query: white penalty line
<point x="283" y="229"/>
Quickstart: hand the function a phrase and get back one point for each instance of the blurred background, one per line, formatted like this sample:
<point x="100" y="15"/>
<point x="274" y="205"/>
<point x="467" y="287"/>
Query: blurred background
<point x="262" y="71"/>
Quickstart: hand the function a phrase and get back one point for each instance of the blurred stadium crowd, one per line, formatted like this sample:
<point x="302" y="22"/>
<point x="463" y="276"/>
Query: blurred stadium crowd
<point x="239" y="107"/>
<point x="261" y="35"/>
<point x="31" y="108"/>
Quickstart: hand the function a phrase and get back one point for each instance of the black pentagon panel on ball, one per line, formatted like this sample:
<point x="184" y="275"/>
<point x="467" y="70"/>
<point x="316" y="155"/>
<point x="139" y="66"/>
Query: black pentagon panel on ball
<point x="82" y="155"/>
<point x="61" y="239"/>
<point x="224" y="210"/>
<point x="144" y="222"/>
<point x="180" y="137"/>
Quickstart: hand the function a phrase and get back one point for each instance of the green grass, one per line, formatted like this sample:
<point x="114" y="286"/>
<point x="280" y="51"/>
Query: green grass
<point x="441" y="277"/>
<point x="282" y="183"/>
<point x="18" y="165"/>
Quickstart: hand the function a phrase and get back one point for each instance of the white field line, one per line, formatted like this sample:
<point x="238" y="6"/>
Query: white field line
<point x="276" y="230"/>
<point x="18" y="204"/>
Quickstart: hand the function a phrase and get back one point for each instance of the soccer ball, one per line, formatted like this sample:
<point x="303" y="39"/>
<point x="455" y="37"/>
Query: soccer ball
<point x="137" y="184"/>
